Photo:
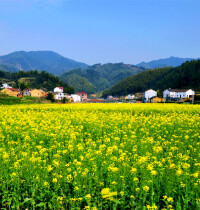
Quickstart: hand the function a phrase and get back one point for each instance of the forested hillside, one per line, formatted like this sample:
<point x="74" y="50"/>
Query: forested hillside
<point x="41" y="60"/>
<point x="34" y="79"/>
<point x="185" y="76"/>
<point x="98" y="77"/>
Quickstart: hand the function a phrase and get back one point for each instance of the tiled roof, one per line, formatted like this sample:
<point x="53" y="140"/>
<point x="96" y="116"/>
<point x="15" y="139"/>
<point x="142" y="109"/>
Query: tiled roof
<point x="81" y="93"/>
<point x="13" y="89"/>
<point x="179" y="90"/>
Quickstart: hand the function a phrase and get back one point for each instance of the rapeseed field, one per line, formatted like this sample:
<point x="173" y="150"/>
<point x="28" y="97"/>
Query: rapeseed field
<point x="100" y="156"/>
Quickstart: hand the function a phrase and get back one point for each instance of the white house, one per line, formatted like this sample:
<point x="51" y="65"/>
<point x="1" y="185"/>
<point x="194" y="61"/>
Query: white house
<point x="60" y="96"/>
<point x="58" y="90"/>
<point x="178" y="93"/>
<point x="76" y="98"/>
<point x="4" y="85"/>
<point x="147" y="95"/>
<point x="27" y="92"/>
<point x="131" y="96"/>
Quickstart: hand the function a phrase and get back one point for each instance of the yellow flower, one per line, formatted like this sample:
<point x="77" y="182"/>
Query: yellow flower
<point x="88" y="196"/>
<point x="179" y="172"/>
<point x="54" y="180"/>
<point x="170" y="199"/>
<point x="146" y="188"/>
<point x="153" y="172"/>
<point x="46" y="184"/>
<point x="107" y="194"/>
<point x="164" y="197"/>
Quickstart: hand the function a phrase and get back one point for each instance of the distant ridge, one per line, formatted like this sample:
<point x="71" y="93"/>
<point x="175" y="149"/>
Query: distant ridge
<point x="165" y="62"/>
<point x="41" y="60"/>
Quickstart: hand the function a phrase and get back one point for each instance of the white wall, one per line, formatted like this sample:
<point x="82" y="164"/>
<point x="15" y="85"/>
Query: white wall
<point x="60" y="96"/>
<point x="131" y="96"/>
<point x="166" y="94"/>
<point x="189" y="93"/>
<point x="4" y="85"/>
<point x="76" y="98"/>
<point x="58" y="90"/>
<point x="149" y="94"/>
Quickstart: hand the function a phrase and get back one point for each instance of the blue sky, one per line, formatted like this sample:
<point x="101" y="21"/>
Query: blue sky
<point x="101" y="31"/>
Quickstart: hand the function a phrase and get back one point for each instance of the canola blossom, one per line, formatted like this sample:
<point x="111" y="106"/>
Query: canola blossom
<point x="100" y="156"/>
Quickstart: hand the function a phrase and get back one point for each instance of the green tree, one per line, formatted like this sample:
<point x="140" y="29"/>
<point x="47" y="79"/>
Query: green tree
<point x="50" y="97"/>
<point x="23" y="86"/>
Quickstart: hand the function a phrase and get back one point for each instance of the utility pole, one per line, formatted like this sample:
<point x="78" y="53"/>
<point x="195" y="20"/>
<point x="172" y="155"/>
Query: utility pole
<point x="193" y="97"/>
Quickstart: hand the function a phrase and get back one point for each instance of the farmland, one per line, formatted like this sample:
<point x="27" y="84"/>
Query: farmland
<point x="100" y="156"/>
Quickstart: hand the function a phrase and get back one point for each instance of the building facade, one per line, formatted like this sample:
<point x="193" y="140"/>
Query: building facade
<point x="11" y="91"/>
<point x="83" y="95"/>
<point x="148" y="95"/>
<point x="76" y="98"/>
<point x="36" y="93"/>
<point x="178" y="94"/>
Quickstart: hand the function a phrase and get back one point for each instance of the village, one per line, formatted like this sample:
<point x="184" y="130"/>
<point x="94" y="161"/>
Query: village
<point x="149" y="96"/>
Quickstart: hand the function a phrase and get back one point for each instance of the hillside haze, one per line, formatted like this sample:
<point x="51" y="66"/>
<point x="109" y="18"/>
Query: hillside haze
<point x="98" y="77"/>
<point x="165" y="62"/>
<point x="41" y="60"/>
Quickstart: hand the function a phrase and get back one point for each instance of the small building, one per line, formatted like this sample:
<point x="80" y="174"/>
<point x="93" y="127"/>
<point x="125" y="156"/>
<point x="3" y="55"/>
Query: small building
<point x="148" y="95"/>
<point x="60" y="96"/>
<point x="93" y="95"/>
<point x="27" y="92"/>
<point x="58" y="90"/>
<point x="83" y="95"/>
<point x="109" y="97"/>
<point x="4" y="85"/>
<point x="131" y="96"/>
<point x="11" y="91"/>
<point x="170" y="94"/>
<point x="36" y="93"/>
<point x="139" y="95"/>
<point x="76" y="98"/>
<point x="158" y="100"/>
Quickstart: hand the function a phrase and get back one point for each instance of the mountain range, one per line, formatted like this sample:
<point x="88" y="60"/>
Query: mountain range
<point x="165" y="62"/>
<point x="38" y="60"/>
<point x="82" y="77"/>
<point x="98" y="77"/>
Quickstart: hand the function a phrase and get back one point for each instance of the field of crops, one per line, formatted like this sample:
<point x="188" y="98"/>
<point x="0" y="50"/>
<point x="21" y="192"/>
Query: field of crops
<point x="100" y="156"/>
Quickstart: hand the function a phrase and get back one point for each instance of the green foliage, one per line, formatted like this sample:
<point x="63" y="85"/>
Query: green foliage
<point x="39" y="80"/>
<point x="98" y="77"/>
<point x="64" y="100"/>
<point x="185" y="76"/>
<point x="23" y="86"/>
<point x="50" y="97"/>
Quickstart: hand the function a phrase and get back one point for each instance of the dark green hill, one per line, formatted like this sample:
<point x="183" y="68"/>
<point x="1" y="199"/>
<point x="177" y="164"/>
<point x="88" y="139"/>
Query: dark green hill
<point x="185" y="76"/>
<point x="34" y="79"/>
<point x="98" y="77"/>
<point x="40" y="60"/>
